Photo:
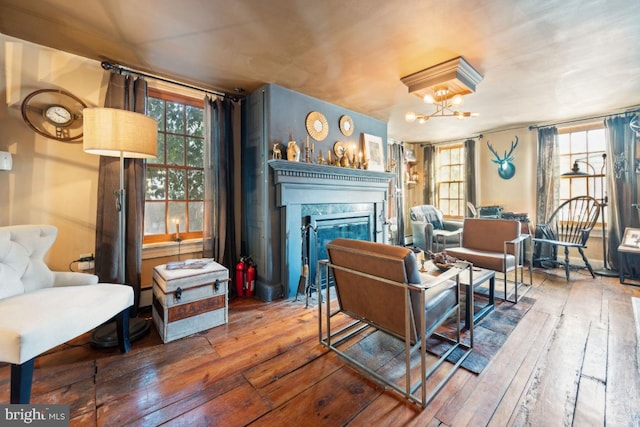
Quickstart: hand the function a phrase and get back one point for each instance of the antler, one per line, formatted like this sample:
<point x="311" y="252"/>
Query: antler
<point x="507" y="156"/>
<point x="514" y="144"/>
<point x="494" y="153"/>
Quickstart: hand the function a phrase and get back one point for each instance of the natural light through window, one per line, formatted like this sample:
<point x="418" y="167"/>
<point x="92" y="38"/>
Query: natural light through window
<point x="583" y="146"/>
<point x="175" y="180"/>
<point x="450" y="176"/>
<point x="586" y="148"/>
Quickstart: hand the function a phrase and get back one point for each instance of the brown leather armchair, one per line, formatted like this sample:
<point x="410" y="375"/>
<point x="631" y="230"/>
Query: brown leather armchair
<point x="379" y="286"/>
<point x="495" y="244"/>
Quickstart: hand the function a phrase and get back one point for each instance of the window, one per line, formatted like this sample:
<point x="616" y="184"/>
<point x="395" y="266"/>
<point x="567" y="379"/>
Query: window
<point x="585" y="147"/>
<point x="175" y="180"/>
<point x="450" y="180"/>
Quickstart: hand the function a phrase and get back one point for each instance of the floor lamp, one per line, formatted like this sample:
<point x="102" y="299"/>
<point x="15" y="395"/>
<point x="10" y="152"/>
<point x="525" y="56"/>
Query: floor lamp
<point x="119" y="133"/>
<point x="604" y="201"/>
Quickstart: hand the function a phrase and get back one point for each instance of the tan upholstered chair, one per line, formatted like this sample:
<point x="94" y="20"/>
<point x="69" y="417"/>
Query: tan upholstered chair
<point x="40" y="308"/>
<point x="495" y="244"/>
<point x="379" y="286"/>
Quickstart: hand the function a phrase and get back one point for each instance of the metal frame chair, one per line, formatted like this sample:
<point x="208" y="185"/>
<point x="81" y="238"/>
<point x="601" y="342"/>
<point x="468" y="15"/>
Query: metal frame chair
<point x="380" y="289"/>
<point x="569" y="226"/>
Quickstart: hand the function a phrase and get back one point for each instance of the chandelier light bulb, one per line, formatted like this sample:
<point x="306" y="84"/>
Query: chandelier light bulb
<point x="446" y="105"/>
<point x="441" y="92"/>
<point x="428" y="99"/>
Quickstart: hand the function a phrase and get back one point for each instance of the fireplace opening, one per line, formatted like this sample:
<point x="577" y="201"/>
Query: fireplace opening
<point x="322" y="229"/>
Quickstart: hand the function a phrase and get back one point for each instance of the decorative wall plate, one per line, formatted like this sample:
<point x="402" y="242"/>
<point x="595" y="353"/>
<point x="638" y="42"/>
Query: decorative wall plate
<point x="317" y="125"/>
<point x="346" y="125"/>
<point x="339" y="149"/>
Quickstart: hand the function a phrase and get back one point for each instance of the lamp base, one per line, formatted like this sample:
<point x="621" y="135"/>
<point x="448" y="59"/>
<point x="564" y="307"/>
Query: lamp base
<point x="106" y="335"/>
<point x="606" y="272"/>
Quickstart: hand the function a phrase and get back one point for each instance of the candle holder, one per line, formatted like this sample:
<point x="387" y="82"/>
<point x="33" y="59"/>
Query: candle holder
<point x="422" y="258"/>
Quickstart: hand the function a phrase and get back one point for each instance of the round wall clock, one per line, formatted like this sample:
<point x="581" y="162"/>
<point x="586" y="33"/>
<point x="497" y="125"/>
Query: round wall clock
<point x="317" y="125"/>
<point x="54" y="114"/>
<point x="346" y="125"/>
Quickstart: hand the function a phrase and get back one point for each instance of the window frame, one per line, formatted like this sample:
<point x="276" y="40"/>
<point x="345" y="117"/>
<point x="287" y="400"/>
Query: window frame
<point x="461" y="182"/>
<point x="596" y="181"/>
<point x="170" y="235"/>
<point x="594" y="176"/>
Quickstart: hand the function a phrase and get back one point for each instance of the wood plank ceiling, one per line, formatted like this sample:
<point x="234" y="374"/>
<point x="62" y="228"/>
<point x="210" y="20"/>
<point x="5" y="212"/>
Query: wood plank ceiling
<point x="541" y="61"/>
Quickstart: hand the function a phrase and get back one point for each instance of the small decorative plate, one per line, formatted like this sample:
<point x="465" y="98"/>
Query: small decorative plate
<point x="339" y="149"/>
<point x="317" y="125"/>
<point x="346" y="125"/>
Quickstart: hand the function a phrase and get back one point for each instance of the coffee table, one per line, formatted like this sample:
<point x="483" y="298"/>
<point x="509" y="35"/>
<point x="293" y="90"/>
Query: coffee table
<point x="472" y="279"/>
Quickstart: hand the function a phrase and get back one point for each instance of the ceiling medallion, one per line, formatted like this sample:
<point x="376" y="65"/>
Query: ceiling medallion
<point x="317" y="125"/>
<point x="443" y="86"/>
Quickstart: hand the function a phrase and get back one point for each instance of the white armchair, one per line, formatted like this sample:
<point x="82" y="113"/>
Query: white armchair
<point x="40" y="308"/>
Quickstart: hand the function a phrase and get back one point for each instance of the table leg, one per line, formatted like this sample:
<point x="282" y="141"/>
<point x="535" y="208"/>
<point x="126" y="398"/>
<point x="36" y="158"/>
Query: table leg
<point x="468" y="313"/>
<point x="492" y="290"/>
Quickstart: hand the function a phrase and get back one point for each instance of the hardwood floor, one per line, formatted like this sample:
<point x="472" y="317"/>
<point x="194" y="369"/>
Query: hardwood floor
<point x="572" y="360"/>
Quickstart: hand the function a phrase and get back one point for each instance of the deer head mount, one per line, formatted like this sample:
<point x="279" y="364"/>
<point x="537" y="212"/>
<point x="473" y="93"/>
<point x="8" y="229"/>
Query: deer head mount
<point x="506" y="168"/>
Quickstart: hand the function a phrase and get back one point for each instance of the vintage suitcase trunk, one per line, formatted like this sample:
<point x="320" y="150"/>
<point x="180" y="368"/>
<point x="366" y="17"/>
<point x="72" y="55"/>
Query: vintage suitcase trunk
<point x="189" y="300"/>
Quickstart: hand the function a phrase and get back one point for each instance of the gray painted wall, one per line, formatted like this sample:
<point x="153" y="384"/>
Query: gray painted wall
<point x="275" y="114"/>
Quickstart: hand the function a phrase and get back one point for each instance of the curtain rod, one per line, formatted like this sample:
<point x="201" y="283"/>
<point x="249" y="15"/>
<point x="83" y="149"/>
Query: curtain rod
<point x="603" y="116"/>
<point x="109" y="66"/>
<point x="424" y="144"/>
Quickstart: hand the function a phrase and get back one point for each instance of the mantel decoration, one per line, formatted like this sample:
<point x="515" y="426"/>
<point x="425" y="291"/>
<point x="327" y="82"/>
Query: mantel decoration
<point x="373" y="152"/>
<point x="293" y="151"/>
<point x="339" y="149"/>
<point x="317" y="125"/>
<point x="346" y="125"/>
<point x="443" y="86"/>
<point x="506" y="168"/>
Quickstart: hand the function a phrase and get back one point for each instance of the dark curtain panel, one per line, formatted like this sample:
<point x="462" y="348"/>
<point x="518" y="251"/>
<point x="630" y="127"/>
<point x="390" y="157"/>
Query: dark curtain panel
<point x="621" y="181"/>
<point x="219" y="241"/>
<point x="127" y="93"/>
<point x="397" y="154"/>
<point x="470" y="176"/>
<point x="429" y="173"/>
<point x="547" y="184"/>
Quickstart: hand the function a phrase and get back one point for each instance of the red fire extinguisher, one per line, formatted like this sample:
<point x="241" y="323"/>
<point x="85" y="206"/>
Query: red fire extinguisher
<point x="250" y="282"/>
<point x="241" y="271"/>
<point x="245" y="277"/>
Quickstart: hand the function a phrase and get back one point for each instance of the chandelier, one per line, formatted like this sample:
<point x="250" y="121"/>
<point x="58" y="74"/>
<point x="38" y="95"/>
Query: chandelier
<point x="443" y="86"/>
<point x="446" y="105"/>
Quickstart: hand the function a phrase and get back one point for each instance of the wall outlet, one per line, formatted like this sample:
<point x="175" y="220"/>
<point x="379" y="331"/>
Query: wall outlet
<point x="86" y="257"/>
<point x="86" y="265"/>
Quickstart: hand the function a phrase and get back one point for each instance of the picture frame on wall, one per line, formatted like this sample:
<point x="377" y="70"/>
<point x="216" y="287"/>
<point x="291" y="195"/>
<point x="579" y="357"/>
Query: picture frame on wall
<point x="373" y="152"/>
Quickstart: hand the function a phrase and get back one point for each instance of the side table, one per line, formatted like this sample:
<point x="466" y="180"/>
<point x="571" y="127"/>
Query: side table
<point x="478" y="277"/>
<point x="190" y="298"/>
